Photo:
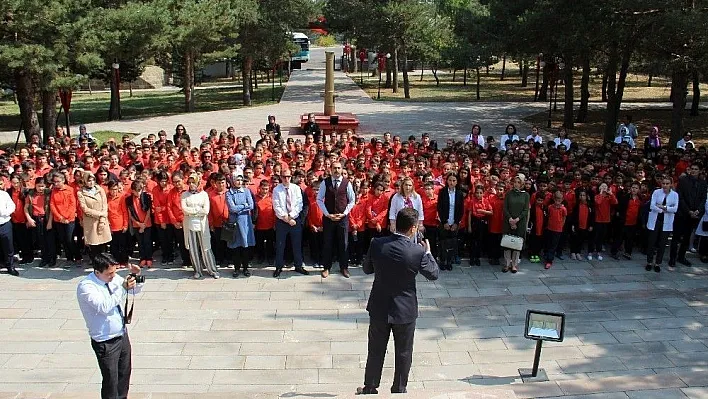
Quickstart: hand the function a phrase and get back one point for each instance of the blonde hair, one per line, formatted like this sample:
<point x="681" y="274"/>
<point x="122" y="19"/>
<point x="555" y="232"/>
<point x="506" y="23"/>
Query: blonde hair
<point x="403" y="184"/>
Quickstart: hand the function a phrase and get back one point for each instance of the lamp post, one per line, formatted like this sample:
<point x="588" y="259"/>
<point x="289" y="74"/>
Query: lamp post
<point x="539" y="64"/>
<point x="382" y="65"/>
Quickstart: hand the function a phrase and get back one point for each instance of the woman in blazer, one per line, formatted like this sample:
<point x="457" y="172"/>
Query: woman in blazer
<point x="662" y="209"/>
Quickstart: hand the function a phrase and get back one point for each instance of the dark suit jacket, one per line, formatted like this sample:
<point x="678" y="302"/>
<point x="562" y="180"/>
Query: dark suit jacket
<point x="444" y="205"/>
<point x="396" y="260"/>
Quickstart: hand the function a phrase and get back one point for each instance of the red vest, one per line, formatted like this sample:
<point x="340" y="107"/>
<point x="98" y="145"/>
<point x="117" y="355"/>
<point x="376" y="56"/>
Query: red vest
<point x="336" y="200"/>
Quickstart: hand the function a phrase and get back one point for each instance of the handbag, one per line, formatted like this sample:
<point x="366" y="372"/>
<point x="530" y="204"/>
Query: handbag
<point x="513" y="242"/>
<point x="228" y="231"/>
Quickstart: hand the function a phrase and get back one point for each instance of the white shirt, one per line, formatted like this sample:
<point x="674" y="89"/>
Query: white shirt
<point x="398" y="203"/>
<point x="451" y="211"/>
<point x="682" y="144"/>
<point x="480" y="139"/>
<point x="565" y="142"/>
<point x="280" y="201"/>
<point x="100" y="307"/>
<point x="351" y="197"/>
<point x="7" y="207"/>
<point x="537" y="138"/>
<point x="504" y="138"/>
<point x="626" y="139"/>
<point x="657" y="198"/>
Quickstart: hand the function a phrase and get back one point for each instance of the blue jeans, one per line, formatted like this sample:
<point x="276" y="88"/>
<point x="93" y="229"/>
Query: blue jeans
<point x="282" y="230"/>
<point x="144" y="243"/>
<point x="65" y="236"/>
<point x="7" y="245"/>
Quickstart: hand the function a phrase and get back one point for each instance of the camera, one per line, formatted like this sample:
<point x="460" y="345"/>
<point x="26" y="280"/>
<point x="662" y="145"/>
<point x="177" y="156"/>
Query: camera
<point x="138" y="279"/>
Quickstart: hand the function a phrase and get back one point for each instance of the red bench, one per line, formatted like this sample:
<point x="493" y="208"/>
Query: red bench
<point x="347" y="121"/>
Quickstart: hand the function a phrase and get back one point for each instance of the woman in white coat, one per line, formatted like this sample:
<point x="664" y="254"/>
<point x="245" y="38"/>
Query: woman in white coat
<point x="197" y="240"/>
<point x="662" y="209"/>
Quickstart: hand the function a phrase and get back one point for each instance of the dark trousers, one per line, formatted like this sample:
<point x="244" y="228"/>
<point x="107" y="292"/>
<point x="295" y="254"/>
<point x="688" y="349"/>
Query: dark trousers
<point x="535" y="244"/>
<point x="553" y="238"/>
<point x="657" y="244"/>
<point x="447" y="246"/>
<point x="94" y="250"/>
<point x="78" y="237"/>
<point x="683" y="228"/>
<point x="600" y="230"/>
<point x="218" y="246"/>
<point x="335" y="240"/>
<point x="179" y="243"/>
<point x="282" y="232"/>
<point x="494" y="245"/>
<point x="564" y="238"/>
<point x="23" y="242"/>
<point x="43" y="240"/>
<point x="144" y="243"/>
<point x="241" y="257"/>
<point x="379" y="333"/>
<point x="65" y="236"/>
<point x="625" y="238"/>
<point x="358" y="244"/>
<point x="119" y="246"/>
<point x="477" y="237"/>
<point x="166" y="237"/>
<point x="314" y="241"/>
<point x="265" y="244"/>
<point x="6" y="244"/>
<point x="432" y="234"/>
<point x="114" y="360"/>
<point x="578" y="239"/>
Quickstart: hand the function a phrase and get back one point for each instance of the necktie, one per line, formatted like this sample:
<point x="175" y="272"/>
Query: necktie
<point x="336" y="184"/>
<point x="120" y="312"/>
<point x="288" y="202"/>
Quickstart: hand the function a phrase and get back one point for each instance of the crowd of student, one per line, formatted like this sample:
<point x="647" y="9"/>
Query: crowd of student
<point x="228" y="201"/>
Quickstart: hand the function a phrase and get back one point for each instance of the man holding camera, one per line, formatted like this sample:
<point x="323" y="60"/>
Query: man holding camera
<point x="100" y="295"/>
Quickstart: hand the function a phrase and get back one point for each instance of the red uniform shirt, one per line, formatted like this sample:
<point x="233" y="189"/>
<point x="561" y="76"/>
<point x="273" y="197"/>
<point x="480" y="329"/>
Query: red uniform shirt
<point x="117" y="213"/>
<point x="142" y="215"/>
<point x="583" y="216"/>
<point x="174" y="206"/>
<point x="357" y="216"/>
<point x="62" y="202"/>
<point x="314" y="215"/>
<point x="632" y="213"/>
<point x="603" y="202"/>
<point x="539" y="220"/>
<point x="377" y="211"/>
<point x="496" y="222"/>
<point x="159" y="205"/>
<point x="218" y="210"/>
<point x="430" y="210"/>
<point x="266" y="214"/>
<point x="556" y="218"/>
<point x="18" y="216"/>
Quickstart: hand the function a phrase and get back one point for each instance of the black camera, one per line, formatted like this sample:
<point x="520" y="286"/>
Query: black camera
<point x="138" y="279"/>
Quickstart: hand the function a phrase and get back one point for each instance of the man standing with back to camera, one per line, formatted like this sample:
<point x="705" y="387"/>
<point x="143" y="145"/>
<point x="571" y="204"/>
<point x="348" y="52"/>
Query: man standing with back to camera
<point x="100" y="295"/>
<point x="393" y="305"/>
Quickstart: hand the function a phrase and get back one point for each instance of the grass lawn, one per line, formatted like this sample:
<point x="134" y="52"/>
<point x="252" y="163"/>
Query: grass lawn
<point x="591" y="133"/>
<point x="492" y="88"/>
<point x="90" y="108"/>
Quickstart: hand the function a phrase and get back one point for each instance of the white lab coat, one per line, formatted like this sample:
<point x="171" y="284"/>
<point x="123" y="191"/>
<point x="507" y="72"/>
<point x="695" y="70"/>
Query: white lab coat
<point x="657" y="198"/>
<point x="504" y="138"/>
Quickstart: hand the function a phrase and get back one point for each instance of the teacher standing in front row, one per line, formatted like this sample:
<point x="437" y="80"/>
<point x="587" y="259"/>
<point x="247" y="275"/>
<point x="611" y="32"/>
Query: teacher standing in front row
<point x="396" y="260"/>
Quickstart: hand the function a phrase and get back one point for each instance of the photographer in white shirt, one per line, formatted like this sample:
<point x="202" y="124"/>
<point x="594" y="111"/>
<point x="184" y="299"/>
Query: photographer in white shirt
<point x="100" y="296"/>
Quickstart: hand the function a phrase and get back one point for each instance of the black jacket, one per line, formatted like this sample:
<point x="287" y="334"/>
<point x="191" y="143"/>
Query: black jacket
<point x="444" y="205"/>
<point x="396" y="261"/>
<point x="692" y="195"/>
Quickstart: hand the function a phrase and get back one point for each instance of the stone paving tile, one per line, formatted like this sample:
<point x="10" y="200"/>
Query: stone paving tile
<point x="673" y="393"/>
<point x="254" y="362"/>
<point x="617" y="384"/>
<point x="695" y="393"/>
<point x="608" y="395"/>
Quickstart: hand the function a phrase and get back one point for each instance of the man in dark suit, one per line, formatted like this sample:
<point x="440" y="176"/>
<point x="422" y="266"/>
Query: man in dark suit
<point x="393" y="306"/>
<point x="692" y="199"/>
<point x="450" y="211"/>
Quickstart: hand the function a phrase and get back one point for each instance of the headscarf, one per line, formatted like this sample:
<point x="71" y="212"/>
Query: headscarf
<point x="655" y="140"/>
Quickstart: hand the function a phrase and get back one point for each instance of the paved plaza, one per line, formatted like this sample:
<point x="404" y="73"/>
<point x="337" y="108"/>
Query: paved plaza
<point x="630" y="333"/>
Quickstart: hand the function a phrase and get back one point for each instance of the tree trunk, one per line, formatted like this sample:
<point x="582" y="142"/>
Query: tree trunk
<point x="246" y="66"/>
<point x="503" y="71"/>
<point x="696" y="102"/>
<point x="114" y="112"/>
<point x="406" y="82"/>
<point x="525" y="74"/>
<point x="388" y="75"/>
<point x="395" y="70"/>
<point x="434" y="70"/>
<point x="568" y="107"/>
<point x="464" y="76"/>
<point x="487" y="70"/>
<point x="454" y="73"/>
<point x="189" y="81"/>
<point x="584" y="91"/>
<point x="604" y="85"/>
<point x="651" y="76"/>
<point x="25" y="99"/>
<point x="610" y="77"/>
<point x="523" y="65"/>
<point x="130" y="88"/>
<point x="478" y="81"/>
<point x="49" y="112"/>
<point x="255" y="79"/>
<point x="421" y="71"/>
<point x="543" y="92"/>
<point x="679" y="89"/>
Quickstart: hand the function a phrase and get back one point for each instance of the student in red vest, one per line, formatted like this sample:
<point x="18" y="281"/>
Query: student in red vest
<point x="557" y="214"/>
<point x="218" y="215"/>
<point x="604" y="200"/>
<point x="538" y="226"/>
<point x="357" y="225"/>
<point x="20" y="233"/>
<point x="139" y="204"/>
<point x="628" y="208"/>
<point x="174" y="210"/>
<point x="581" y="225"/>
<point x="39" y="223"/>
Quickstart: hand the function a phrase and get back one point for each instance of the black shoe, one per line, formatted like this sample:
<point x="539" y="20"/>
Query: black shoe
<point x="26" y="261"/>
<point x="302" y="270"/>
<point x="12" y="271"/>
<point x="235" y="273"/>
<point x="366" y="391"/>
<point x="657" y="268"/>
<point x="246" y="272"/>
<point x="627" y="256"/>
<point x="277" y="272"/>
<point x="559" y="257"/>
<point x="647" y="267"/>
<point x="684" y="262"/>
<point x="672" y="262"/>
<point x="449" y="268"/>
